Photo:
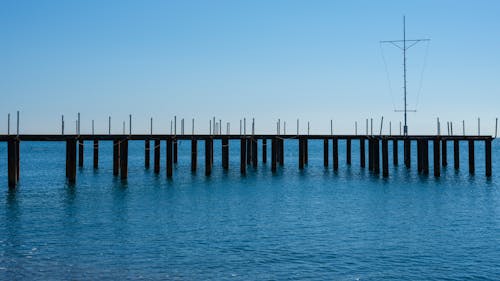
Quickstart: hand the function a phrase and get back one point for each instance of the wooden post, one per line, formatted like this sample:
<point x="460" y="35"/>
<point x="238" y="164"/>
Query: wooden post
<point x="281" y="151"/>
<point x="335" y="152"/>
<point x="306" y="150"/>
<point x="376" y="156"/>
<point x="444" y="150"/>
<point x="471" y="157"/>
<point x="208" y="157"/>
<point x="96" y="154"/>
<point x="18" y="157"/>
<point x="487" y="156"/>
<point x="301" y="153"/>
<point x="12" y="162"/>
<point x="426" y="157"/>
<point x="420" y="154"/>
<point x="370" y="154"/>
<point x="362" y="152"/>
<point x="194" y="154"/>
<point x="243" y="161"/>
<point x="456" y="154"/>
<point x="385" y="158"/>
<point x="437" y="154"/>
<point x="325" y="152"/>
<point x="395" y="152"/>
<point x="255" y="153"/>
<point x="175" y="141"/>
<point x="273" y="155"/>
<point x="124" y="159"/>
<point x="147" y="153"/>
<point x="116" y="157"/>
<point x="80" y="153"/>
<point x="170" y="155"/>
<point x="264" y="150"/>
<point x="407" y="152"/>
<point x="249" y="151"/>
<point x="71" y="160"/>
<point x="157" y="147"/>
<point x="225" y="153"/>
<point x="348" y="151"/>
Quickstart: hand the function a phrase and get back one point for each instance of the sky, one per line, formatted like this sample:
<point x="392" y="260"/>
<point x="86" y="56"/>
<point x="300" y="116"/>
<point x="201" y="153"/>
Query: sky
<point x="313" y="60"/>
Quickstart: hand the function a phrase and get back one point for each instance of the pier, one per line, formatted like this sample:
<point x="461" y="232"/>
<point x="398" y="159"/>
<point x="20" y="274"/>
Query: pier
<point x="249" y="151"/>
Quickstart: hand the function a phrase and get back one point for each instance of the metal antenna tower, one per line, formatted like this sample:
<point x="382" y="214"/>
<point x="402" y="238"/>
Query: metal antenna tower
<point x="404" y="48"/>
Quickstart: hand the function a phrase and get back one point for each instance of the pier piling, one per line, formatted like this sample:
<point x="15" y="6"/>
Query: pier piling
<point x="243" y="154"/>
<point x="71" y="160"/>
<point x="264" y="150"/>
<point x="12" y="163"/>
<point x="124" y="159"/>
<point x="175" y="143"/>
<point x="147" y="153"/>
<point x="325" y="152"/>
<point x="208" y="156"/>
<point x="395" y="152"/>
<point x="376" y="156"/>
<point x="407" y="152"/>
<point x="96" y="154"/>
<point x="170" y="156"/>
<point x="80" y="152"/>
<point x="487" y="157"/>
<point x="335" y="153"/>
<point x="437" y="162"/>
<point x="348" y="151"/>
<point x="194" y="154"/>
<point x="116" y="157"/>
<point x="385" y="158"/>
<point x="156" y="164"/>
<point x="362" y="152"/>
<point x="472" y="166"/>
<point x="456" y="154"/>
<point x="444" y="152"/>
<point x="225" y="153"/>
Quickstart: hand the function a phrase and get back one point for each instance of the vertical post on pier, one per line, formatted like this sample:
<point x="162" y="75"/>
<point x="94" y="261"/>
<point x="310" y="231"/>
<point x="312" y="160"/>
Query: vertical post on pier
<point x="208" y="157"/>
<point x="96" y="154"/>
<point x="376" y="156"/>
<point x="471" y="157"/>
<point x="194" y="154"/>
<point x="12" y="162"/>
<point x="71" y="160"/>
<point x="254" y="152"/>
<point x="243" y="154"/>
<point x="281" y="151"/>
<point x="335" y="153"/>
<point x="370" y="154"/>
<point x="456" y="154"/>
<point x="147" y="153"/>
<point x="249" y="151"/>
<point x="419" y="156"/>
<point x="444" y="152"/>
<point x="124" y="159"/>
<point x="385" y="158"/>
<point x="264" y="150"/>
<point x="395" y="152"/>
<point x="348" y="151"/>
<point x="425" y="157"/>
<point x="407" y="152"/>
<point x="156" y="160"/>
<point x="301" y="153"/>
<point x="487" y="156"/>
<point x="362" y="152"/>
<point x="175" y="142"/>
<point x="18" y="151"/>
<point x="273" y="154"/>
<point x="116" y="157"/>
<point x="325" y="152"/>
<point x="306" y="148"/>
<point x="437" y="162"/>
<point x="225" y="153"/>
<point x="80" y="152"/>
<point x="170" y="142"/>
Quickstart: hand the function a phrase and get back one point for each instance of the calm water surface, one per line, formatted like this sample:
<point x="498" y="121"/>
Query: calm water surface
<point x="314" y="225"/>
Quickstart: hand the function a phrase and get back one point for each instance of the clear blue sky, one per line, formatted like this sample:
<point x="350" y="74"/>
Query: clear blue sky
<point x="313" y="60"/>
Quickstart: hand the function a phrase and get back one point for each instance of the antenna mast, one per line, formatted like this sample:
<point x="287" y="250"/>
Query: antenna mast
<point x="404" y="48"/>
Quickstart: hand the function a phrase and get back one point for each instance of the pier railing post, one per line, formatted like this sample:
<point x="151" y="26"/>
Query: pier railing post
<point x="472" y="166"/>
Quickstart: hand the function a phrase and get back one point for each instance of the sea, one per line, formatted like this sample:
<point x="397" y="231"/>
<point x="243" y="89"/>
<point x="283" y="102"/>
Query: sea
<point x="310" y="224"/>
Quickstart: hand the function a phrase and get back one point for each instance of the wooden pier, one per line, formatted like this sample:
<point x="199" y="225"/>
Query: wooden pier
<point x="249" y="150"/>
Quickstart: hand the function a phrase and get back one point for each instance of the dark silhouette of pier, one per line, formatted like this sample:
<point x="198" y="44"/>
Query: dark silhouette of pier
<point x="373" y="149"/>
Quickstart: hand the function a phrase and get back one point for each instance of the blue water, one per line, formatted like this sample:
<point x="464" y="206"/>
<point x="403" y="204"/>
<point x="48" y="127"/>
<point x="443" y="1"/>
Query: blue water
<point x="314" y="224"/>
